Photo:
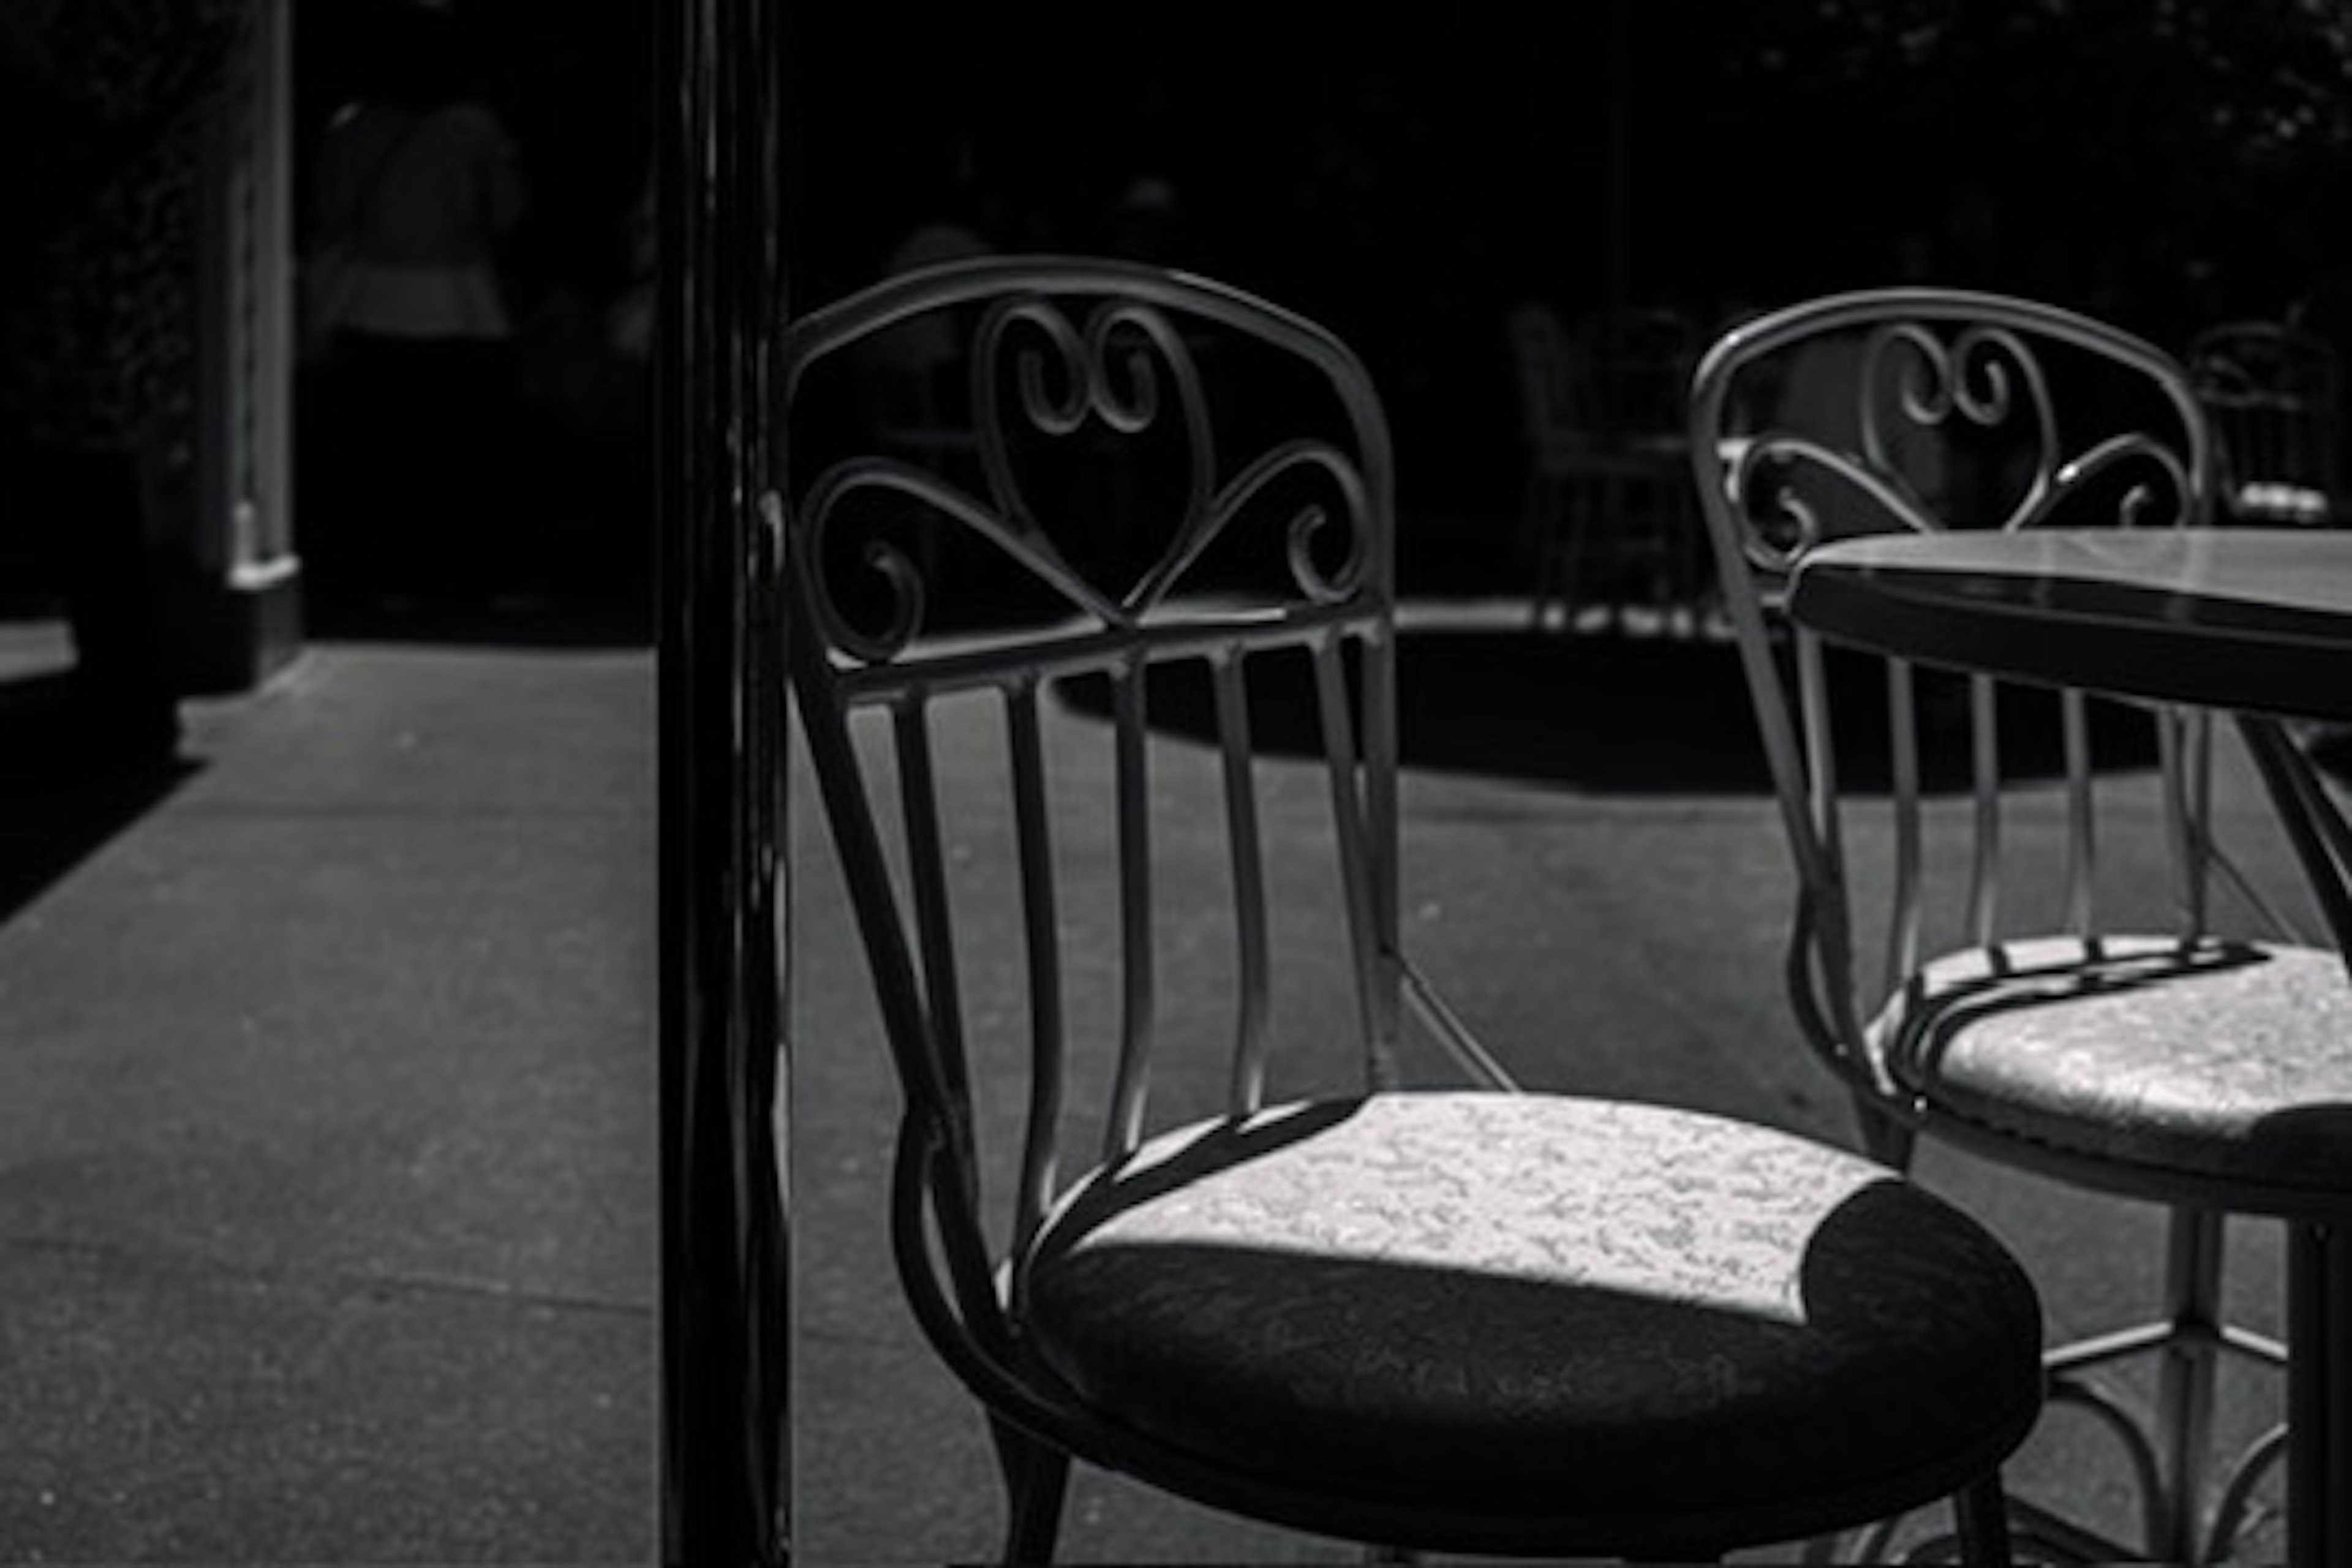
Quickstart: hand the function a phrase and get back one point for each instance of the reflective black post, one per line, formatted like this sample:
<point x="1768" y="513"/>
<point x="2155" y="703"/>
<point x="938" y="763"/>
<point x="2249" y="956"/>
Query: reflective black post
<point x="725" y="1335"/>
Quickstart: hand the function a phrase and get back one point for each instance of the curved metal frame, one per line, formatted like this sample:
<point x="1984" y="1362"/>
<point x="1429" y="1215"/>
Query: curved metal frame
<point x="1979" y="358"/>
<point x="1079" y="342"/>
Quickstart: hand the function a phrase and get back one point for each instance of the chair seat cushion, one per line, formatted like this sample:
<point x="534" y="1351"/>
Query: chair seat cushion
<point x="1533" y="1305"/>
<point x="2228" y="1060"/>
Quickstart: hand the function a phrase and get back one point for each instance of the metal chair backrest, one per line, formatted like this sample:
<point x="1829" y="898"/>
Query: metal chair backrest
<point x="1254" y="542"/>
<point x="1930" y="409"/>
<point x="1645" y="356"/>
<point x="1612" y="378"/>
<point x="2274" y="395"/>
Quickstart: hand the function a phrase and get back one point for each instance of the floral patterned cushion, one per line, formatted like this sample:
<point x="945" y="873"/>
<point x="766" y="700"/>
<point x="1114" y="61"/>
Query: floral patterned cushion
<point x="1533" y="1305"/>
<point x="2224" y="1059"/>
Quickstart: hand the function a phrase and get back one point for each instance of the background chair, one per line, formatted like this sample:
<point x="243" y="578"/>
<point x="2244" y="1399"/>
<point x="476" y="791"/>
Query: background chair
<point x="1967" y="966"/>
<point x="2273" y="396"/>
<point x="1606" y="516"/>
<point x="1223" y="1245"/>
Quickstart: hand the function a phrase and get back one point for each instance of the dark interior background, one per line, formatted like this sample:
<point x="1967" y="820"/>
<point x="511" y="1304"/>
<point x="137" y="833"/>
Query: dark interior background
<point x="1407" y="173"/>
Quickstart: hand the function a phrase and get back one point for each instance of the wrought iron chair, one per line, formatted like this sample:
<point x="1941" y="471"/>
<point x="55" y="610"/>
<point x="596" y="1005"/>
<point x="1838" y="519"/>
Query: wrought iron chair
<point x="2273" y="396"/>
<point x="2027" y="1017"/>
<point x="1439" y="1318"/>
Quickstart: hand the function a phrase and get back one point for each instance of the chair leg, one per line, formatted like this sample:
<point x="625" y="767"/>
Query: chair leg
<point x="2185" y="1390"/>
<point x="1036" y="1477"/>
<point x="1543" y="515"/>
<point x="1575" y="531"/>
<point x="1982" y="1514"/>
<point x="1884" y="1139"/>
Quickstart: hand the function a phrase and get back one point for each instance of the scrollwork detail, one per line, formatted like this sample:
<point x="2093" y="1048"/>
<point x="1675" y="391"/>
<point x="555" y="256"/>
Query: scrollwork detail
<point x="1126" y="367"/>
<point x="1133" y="413"/>
<point x="2131" y="506"/>
<point x="1097" y="380"/>
<point x="1056" y="417"/>
<point x="1979" y="376"/>
<point x="1038" y="371"/>
<point x="1780" y="451"/>
<point x="898" y="571"/>
<point x="1987" y="377"/>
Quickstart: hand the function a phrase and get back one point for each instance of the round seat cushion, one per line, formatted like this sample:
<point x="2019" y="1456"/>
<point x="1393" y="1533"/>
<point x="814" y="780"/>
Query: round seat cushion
<point x="2228" y="1060"/>
<point x="1533" y="1306"/>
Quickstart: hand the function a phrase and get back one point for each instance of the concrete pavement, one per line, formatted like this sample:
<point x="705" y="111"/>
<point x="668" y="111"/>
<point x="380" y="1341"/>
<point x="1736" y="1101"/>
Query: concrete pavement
<point x="326" y="1132"/>
<point x="327" y="1095"/>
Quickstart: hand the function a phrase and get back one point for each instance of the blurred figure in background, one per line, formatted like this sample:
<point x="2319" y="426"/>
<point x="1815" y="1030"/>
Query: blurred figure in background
<point x="417" y="192"/>
<point x="100" y="104"/>
<point x="1148" y="222"/>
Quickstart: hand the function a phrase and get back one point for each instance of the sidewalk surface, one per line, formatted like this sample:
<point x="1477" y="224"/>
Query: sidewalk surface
<point x="327" y="1097"/>
<point x="326" y="1132"/>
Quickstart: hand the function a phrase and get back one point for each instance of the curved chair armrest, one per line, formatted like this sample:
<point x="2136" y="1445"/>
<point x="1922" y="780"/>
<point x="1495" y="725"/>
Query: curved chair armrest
<point x="1451" y="1032"/>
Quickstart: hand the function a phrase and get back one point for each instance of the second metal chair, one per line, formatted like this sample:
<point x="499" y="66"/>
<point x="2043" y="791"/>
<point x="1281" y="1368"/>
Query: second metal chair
<point x="2038" y="1013"/>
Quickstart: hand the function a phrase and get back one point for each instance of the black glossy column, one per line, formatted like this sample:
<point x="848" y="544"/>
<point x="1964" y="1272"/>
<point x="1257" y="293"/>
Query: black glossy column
<point x="725" y="1333"/>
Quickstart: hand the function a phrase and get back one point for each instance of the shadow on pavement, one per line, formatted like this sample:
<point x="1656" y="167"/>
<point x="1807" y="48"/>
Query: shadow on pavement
<point x="1621" y="714"/>
<point x="60" y="798"/>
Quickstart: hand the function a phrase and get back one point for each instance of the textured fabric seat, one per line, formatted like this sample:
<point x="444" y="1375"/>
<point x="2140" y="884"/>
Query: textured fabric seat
<point x="1533" y="1304"/>
<point x="2211" y="1057"/>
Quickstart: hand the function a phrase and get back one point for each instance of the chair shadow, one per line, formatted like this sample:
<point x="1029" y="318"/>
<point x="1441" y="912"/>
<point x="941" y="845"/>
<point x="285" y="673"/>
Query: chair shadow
<point x="57" y="806"/>
<point x="1623" y="715"/>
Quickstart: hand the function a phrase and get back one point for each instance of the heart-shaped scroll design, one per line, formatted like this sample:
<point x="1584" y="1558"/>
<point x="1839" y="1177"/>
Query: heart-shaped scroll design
<point x="1911" y="381"/>
<point x="1125" y="370"/>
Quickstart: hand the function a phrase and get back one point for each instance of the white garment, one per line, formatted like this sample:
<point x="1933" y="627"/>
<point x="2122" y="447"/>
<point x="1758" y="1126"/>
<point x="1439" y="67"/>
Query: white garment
<point x="460" y="301"/>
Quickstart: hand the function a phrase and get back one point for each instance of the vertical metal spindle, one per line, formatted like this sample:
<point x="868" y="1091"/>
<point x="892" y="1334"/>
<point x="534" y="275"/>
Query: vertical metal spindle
<point x="1138" y="998"/>
<point x="1903" y="740"/>
<point x="2179" y="821"/>
<point x="1039" y="922"/>
<point x="2082" y="820"/>
<point x="1834" y="945"/>
<point x="1984" y="760"/>
<point x="1248" y="1082"/>
<point x="2200" y="759"/>
<point x="1820" y="744"/>
<point x="919" y="804"/>
<point x="1379" y="741"/>
<point x="1355" y="870"/>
